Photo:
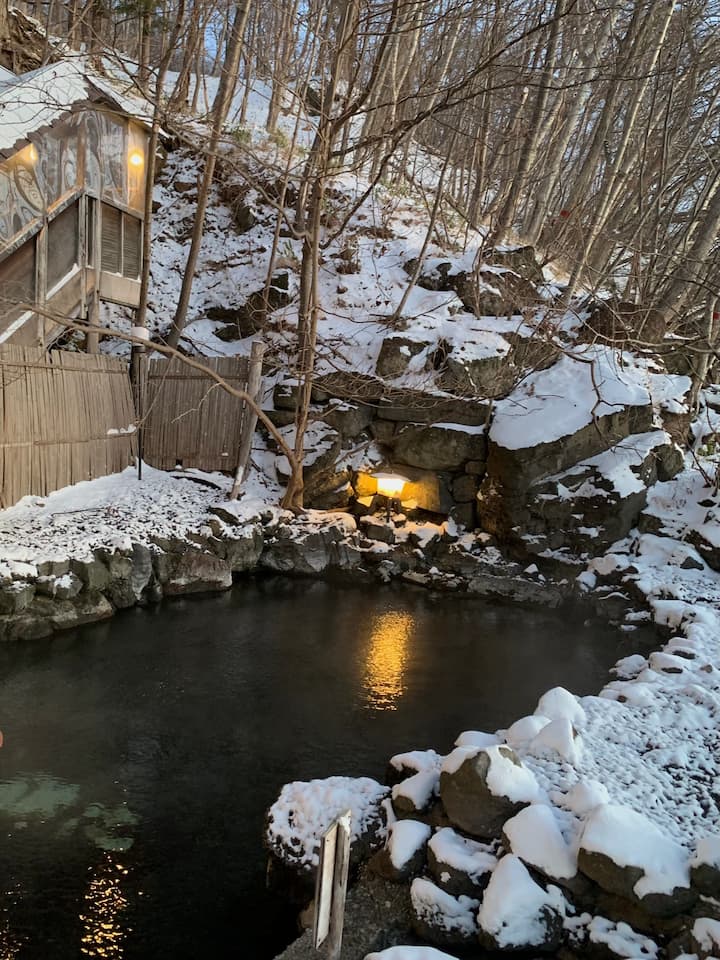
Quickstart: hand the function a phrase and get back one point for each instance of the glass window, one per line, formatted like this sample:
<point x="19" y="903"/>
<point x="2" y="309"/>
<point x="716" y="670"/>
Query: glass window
<point x="63" y="235"/>
<point x="17" y="282"/>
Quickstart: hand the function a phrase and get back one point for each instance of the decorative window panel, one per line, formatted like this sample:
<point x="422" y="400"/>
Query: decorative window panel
<point x="62" y="245"/>
<point x="113" y="159"/>
<point x="17" y="283"/>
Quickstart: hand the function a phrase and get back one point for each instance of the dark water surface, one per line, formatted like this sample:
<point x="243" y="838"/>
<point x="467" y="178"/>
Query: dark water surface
<point x="141" y="754"/>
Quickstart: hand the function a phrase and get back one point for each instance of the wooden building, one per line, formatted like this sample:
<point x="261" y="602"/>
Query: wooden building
<point x="72" y="193"/>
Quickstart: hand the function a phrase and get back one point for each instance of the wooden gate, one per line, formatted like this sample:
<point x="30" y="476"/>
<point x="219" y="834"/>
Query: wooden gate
<point x="191" y="421"/>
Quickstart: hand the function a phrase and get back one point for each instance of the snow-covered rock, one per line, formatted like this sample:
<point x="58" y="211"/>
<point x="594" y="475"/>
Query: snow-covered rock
<point x="535" y="837"/>
<point x="705" y="938"/>
<point x="516" y="913"/>
<point x="619" y="940"/>
<point x="441" y="918"/>
<point x="482" y="788"/>
<point x="626" y="854"/>
<point x="705" y="866"/>
<point x="560" y="704"/>
<point x="559" y="737"/>
<point x="460" y="865"/>
<point x="403" y="856"/>
<point x="305" y="809"/>
<point x="520" y="733"/>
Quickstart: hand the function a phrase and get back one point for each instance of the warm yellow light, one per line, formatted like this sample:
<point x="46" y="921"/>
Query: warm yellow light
<point x="386" y="659"/>
<point x="389" y="484"/>
<point x="136" y="158"/>
<point x="32" y="153"/>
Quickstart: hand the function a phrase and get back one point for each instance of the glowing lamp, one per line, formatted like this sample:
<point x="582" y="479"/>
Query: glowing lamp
<point x="390" y="486"/>
<point x="136" y="158"/>
<point x="32" y="153"/>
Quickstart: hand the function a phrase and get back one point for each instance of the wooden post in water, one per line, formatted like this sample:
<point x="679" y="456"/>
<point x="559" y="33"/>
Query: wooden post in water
<point x="249" y="420"/>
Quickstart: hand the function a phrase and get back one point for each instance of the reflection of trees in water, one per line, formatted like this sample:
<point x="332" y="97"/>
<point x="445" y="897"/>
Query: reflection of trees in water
<point x="49" y="799"/>
<point x="386" y="659"/>
<point x="49" y="861"/>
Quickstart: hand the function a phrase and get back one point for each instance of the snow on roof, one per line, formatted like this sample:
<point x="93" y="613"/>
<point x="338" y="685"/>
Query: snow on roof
<point x="6" y="75"/>
<point x="38" y="99"/>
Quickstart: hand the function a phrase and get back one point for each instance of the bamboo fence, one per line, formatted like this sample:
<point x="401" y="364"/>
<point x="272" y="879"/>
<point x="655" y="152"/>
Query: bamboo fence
<point x="64" y="417"/>
<point x="191" y="421"/>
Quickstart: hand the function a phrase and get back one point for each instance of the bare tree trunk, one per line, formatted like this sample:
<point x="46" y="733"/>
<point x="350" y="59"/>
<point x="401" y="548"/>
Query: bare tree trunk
<point x="532" y="139"/>
<point x="685" y="276"/>
<point x="221" y="106"/>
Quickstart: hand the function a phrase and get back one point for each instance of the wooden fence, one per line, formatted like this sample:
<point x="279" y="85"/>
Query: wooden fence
<point x="191" y="421"/>
<point x="64" y="417"/>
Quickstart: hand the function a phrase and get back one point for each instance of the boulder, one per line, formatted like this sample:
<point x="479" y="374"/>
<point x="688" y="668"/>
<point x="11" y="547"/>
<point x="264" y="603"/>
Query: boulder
<point x="479" y="368"/>
<point x="64" y="587"/>
<point x="396" y="352"/>
<point x="304" y="810"/>
<point x="183" y="568"/>
<point x="16" y="596"/>
<point x="459" y="865"/>
<point x="705" y="938"/>
<point x="413" y="406"/>
<point x="521" y="259"/>
<point x="517" y="914"/>
<point x="404" y="765"/>
<point x="404" y="853"/>
<point x="248" y="318"/>
<point x="441" y="918"/>
<point x="349" y="419"/>
<point x="627" y="855"/>
<point x="417" y="793"/>
<point x="481" y="788"/>
<point x="609" y="940"/>
<point x="442" y="446"/>
<point x="705" y="867"/>
<point x="618" y="321"/>
<point x="242" y="548"/>
<point x="93" y="572"/>
<point x="562" y="416"/>
<point x="534" y="836"/>
<point x="66" y="614"/>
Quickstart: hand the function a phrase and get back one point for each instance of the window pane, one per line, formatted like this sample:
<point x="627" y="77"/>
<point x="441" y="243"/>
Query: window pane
<point x="17" y="282"/>
<point x="111" y="239"/>
<point x="62" y="245"/>
<point x="90" y="215"/>
<point x="132" y="244"/>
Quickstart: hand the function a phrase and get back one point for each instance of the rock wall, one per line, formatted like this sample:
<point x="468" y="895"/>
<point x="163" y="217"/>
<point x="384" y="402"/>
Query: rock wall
<point x="38" y="599"/>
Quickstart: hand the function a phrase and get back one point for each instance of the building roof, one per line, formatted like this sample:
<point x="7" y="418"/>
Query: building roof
<point x="37" y="100"/>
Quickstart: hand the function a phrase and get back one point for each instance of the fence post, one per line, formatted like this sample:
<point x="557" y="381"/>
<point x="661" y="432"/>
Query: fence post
<point x="249" y="421"/>
<point x="139" y="375"/>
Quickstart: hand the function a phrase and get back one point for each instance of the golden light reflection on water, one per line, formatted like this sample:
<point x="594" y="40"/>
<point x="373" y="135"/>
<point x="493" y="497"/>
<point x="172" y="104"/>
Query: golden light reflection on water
<point x="104" y="931"/>
<point x="386" y="659"/>
<point x="10" y="944"/>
